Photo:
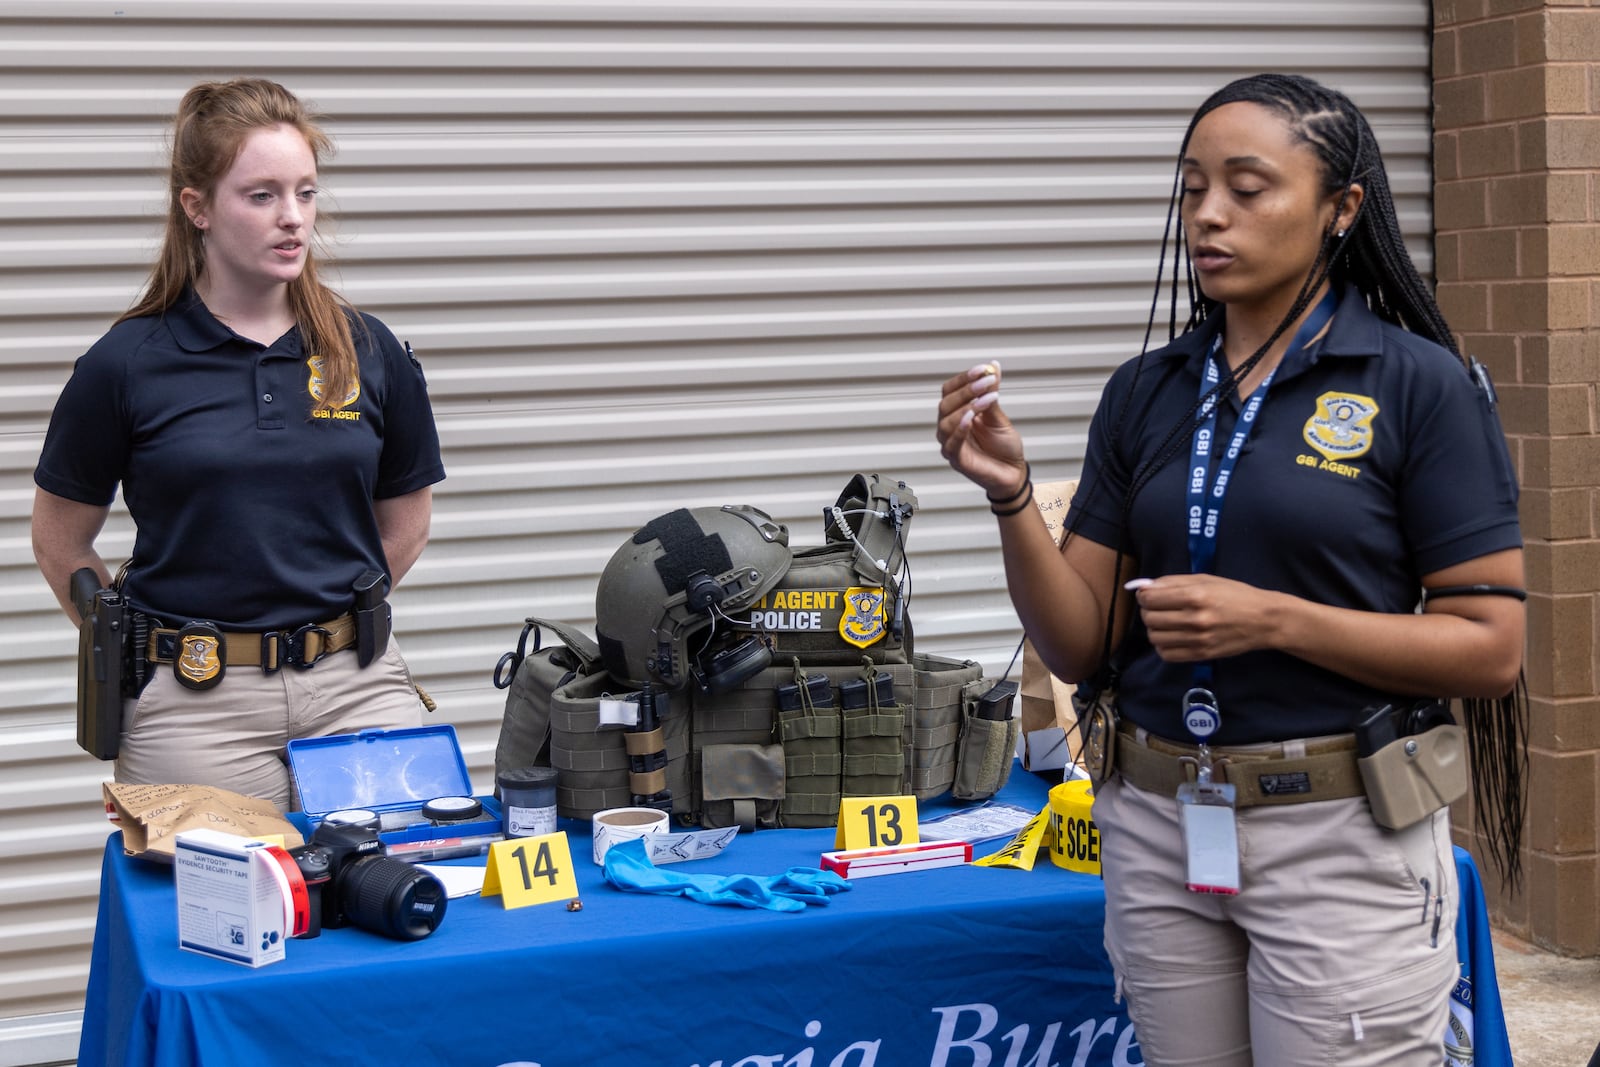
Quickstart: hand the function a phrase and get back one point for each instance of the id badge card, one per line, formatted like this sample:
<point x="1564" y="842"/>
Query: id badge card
<point x="1210" y="837"/>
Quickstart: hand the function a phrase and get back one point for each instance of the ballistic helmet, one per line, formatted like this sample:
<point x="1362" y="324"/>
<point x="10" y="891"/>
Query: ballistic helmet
<point x="658" y="597"/>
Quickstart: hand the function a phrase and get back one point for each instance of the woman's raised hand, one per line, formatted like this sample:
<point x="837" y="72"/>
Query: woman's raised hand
<point x="974" y="434"/>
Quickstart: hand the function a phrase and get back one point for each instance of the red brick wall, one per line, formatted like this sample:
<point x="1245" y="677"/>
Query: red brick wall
<point x="1517" y="219"/>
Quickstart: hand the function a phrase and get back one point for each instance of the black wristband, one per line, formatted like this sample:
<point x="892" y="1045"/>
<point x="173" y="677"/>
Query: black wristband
<point x="1027" y="484"/>
<point x="1474" y="590"/>
<point x="1026" y="496"/>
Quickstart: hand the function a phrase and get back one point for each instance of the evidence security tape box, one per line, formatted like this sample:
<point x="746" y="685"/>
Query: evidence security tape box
<point x="393" y="774"/>
<point x="230" y="905"/>
<point x="835" y="704"/>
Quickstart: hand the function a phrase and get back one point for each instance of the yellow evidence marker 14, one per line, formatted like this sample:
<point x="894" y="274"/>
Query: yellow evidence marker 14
<point x="1074" y="839"/>
<point x="531" y="870"/>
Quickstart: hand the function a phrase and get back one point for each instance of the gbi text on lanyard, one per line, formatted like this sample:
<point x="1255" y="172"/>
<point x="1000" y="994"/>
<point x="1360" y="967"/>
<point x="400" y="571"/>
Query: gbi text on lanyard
<point x="1206" y="807"/>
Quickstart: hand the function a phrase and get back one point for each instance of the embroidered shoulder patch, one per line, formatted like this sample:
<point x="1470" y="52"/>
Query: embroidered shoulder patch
<point x="1341" y="427"/>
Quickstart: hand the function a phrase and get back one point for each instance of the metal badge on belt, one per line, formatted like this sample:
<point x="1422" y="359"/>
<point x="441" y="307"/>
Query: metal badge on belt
<point x="199" y="661"/>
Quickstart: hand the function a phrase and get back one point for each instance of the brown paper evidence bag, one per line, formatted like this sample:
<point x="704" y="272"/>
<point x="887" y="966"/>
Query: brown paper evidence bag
<point x="1046" y="699"/>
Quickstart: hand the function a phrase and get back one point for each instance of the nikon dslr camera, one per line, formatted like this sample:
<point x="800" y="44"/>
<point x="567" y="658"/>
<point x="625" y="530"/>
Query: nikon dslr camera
<point x="352" y="883"/>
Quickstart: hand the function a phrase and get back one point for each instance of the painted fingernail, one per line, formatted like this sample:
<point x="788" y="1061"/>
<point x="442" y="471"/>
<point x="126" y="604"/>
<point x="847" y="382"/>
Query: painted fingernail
<point x="985" y="369"/>
<point x="984" y="402"/>
<point x="1136" y="584"/>
<point x="984" y="384"/>
<point x="966" y="420"/>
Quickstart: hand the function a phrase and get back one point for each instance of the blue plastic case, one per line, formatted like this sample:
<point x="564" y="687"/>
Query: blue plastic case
<point x="393" y="773"/>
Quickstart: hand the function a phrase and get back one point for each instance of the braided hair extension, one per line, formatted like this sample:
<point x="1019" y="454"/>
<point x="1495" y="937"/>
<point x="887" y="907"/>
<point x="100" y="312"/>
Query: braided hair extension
<point x="1372" y="257"/>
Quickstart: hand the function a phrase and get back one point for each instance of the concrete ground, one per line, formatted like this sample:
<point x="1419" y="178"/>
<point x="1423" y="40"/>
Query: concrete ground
<point x="1552" y="1004"/>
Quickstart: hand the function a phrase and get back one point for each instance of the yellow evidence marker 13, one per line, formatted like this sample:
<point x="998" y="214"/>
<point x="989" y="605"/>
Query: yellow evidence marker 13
<point x="877" y="822"/>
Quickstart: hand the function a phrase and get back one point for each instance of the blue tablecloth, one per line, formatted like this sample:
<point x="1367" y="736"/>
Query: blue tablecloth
<point x="953" y="967"/>
<point x="1476" y="1036"/>
<point x="943" y="968"/>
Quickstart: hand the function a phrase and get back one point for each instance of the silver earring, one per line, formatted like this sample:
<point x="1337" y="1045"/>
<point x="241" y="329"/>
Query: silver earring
<point x="1340" y="235"/>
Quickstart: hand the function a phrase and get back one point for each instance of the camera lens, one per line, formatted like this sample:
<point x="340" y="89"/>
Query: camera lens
<point x="392" y="898"/>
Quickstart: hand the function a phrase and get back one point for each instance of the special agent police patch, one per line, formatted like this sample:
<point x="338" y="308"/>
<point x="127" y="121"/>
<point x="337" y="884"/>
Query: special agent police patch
<point x="314" y="366"/>
<point x="856" y="613"/>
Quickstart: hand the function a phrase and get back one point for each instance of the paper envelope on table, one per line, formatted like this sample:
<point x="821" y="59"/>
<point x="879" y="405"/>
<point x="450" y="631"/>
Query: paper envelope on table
<point x="152" y="816"/>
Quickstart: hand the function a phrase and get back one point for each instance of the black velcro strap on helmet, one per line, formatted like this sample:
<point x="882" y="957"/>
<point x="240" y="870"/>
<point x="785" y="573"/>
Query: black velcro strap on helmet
<point x="686" y="549"/>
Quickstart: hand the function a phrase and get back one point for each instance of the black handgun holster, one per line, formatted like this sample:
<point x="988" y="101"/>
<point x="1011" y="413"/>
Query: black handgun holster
<point x="101" y="633"/>
<point x="374" y="618"/>
<point x="1413" y="761"/>
<point x="1412" y="777"/>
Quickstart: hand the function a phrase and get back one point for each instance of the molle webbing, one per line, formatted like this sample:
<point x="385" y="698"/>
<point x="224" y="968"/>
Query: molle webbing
<point x="810" y="730"/>
<point x="911" y="745"/>
<point x="872" y="742"/>
<point x="594" y="763"/>
<point x="943" y="687"/>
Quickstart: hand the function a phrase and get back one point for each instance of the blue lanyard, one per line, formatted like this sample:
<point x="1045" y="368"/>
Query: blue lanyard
<point x="1204" y="502"/>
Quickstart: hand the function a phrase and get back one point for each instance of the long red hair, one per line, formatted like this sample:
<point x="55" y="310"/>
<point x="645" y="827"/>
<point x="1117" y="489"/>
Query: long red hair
<point x="214" y="119"/>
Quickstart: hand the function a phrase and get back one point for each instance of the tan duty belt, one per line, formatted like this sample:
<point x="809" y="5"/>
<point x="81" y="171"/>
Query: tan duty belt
<point x="270" y="651"/>
<point x="1293" y="772"/>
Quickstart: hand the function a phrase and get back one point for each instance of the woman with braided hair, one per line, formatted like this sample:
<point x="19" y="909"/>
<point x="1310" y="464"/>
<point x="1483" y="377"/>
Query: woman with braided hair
<point x="1264" y="504"/>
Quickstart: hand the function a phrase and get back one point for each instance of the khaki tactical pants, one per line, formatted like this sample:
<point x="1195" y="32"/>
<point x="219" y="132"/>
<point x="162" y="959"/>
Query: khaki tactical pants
<point x="1326" y="956"/>
<point x="233" y="735"/>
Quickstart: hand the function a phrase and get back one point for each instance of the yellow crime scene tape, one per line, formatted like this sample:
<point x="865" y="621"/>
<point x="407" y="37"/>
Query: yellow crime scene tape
<point x="1065" y="827"/>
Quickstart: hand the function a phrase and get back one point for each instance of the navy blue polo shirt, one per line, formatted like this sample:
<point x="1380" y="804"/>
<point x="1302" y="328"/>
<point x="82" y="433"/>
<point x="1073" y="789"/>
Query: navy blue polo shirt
<point x="1376" y="459"/>
<point x="251" y="513"/>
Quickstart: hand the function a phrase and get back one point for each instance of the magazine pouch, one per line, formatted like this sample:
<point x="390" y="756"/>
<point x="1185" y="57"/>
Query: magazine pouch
<point x="988" y="743"/>
<point x="941" y="690"/>
<point x="809" y="729"/>
<point x="872" y="734"/>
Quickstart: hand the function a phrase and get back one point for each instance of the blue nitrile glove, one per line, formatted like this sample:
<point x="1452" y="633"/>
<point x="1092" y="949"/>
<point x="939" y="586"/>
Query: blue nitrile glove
<point x="628" y="867"/>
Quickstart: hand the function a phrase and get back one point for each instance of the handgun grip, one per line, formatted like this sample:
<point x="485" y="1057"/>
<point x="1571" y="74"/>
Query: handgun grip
<point x="1375" y="729"/>
<point x="369" y="588"/>
<point x="84" y="584"/>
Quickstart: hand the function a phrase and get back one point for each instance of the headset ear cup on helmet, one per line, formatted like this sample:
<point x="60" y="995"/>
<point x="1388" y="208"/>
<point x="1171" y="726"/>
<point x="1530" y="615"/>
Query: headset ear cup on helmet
<point x="730" y="667"/>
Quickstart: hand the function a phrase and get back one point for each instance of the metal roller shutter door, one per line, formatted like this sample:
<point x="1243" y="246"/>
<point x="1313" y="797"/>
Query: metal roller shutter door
<point x="652" y="255"/>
